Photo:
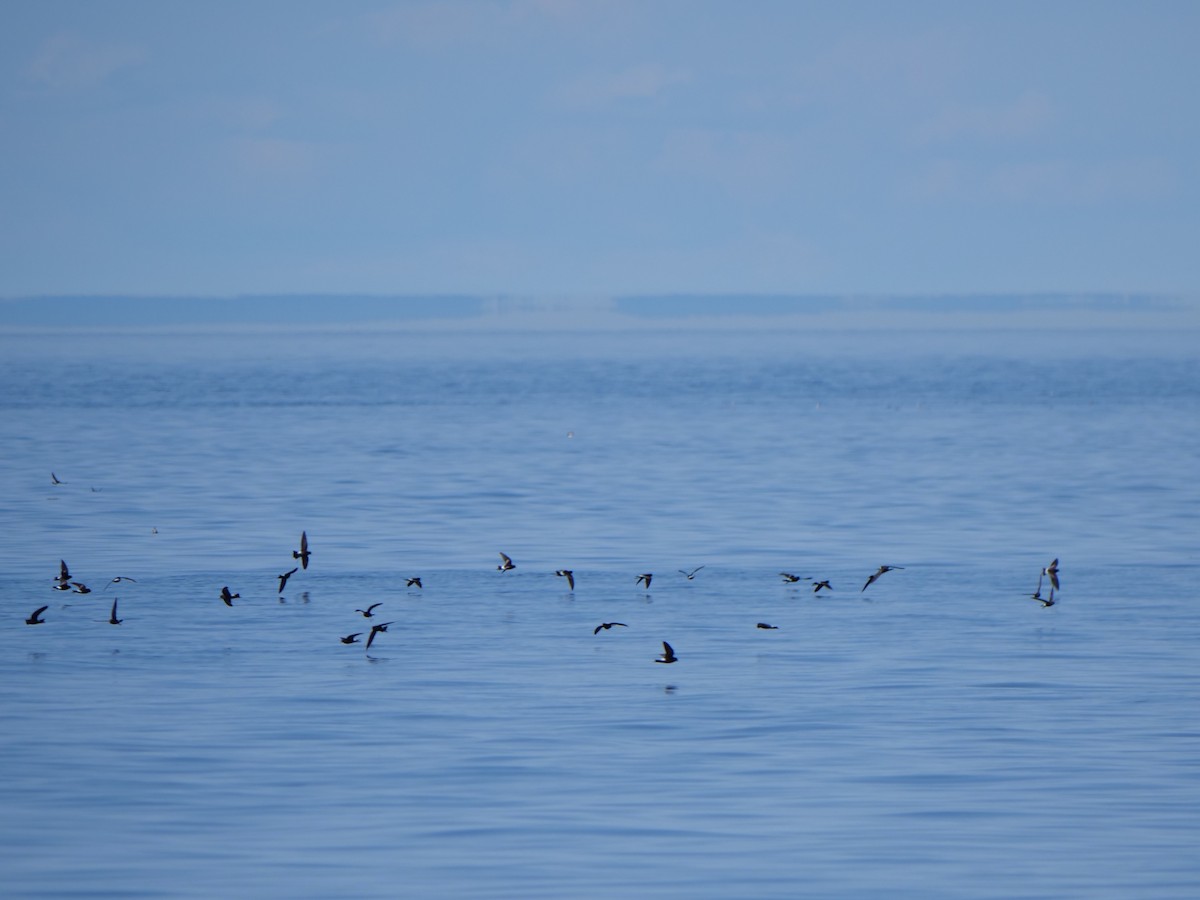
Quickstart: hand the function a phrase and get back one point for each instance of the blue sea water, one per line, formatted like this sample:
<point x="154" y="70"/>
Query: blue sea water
<point x="938" y="735"/>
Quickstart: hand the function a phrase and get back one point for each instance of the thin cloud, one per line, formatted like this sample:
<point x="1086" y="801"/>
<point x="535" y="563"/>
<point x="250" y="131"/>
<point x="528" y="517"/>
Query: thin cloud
<point x="636" y="82"/>
<point x="1025" y="116"/>
<point x="68" y="62"/>
<point x="1042" y="181"/>
<point x="455" y="22"/>
<point x="274" y="157"/>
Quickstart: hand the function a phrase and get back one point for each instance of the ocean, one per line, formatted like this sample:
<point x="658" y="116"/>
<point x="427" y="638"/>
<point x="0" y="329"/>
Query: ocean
<point x="938" y="734"/>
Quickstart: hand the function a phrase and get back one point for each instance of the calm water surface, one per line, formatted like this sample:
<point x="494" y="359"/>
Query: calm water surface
<point x="940" y="734"/>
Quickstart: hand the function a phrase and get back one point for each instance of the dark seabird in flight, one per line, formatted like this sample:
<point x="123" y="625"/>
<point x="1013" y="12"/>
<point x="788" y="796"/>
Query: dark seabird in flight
<point x="80" y="587"/>
<point x="367" y="613"/>
<point x="607" y="625"/>
<point x="1051" y="571"/>
<point x="767" y="627"/>
<point x="567" y="574"/>
<point x="351" y="638"/>
<point x="790" y="578"/>
<point x="284" y="577"/>
<point x="36" y="619"/>
<point x="507" y="564"/>
<point x="112" y="618"/>
<point x="375" y="629"/>
<point x="302" y="554"/>
<point x="882" y="569"/>
<point x="668" y="655"/>
<point x="645" y="579"/>
<point x="822" y="584"/>
<point x="415" y="581"/>
<point x="54" y="479"/>
<point x="118" y="580"/>
<point x="228" y="597"/>
<point x="63" y="586"/>
<point x="692" y="574"/>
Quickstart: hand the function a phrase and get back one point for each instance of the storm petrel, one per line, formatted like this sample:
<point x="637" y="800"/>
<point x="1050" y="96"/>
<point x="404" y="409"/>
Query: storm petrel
<point x="375" y="629"/>
<point x="882" y="569"/>
<point x="302" y="554"/>
<point x="284" y="578"/>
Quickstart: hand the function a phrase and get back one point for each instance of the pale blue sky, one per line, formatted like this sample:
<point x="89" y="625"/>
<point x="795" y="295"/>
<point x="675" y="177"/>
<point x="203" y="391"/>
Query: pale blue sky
<point x="596" y="148"/>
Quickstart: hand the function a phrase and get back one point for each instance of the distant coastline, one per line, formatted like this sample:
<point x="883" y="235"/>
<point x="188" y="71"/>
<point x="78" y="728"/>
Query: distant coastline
<point x="649" y="311"/>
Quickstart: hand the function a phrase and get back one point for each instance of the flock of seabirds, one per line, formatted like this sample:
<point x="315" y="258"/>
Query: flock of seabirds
<point x="64" y="582"/>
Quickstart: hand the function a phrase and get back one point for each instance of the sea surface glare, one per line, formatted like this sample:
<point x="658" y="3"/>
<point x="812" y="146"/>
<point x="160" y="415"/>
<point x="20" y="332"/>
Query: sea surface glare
<point x="940" y="734"/>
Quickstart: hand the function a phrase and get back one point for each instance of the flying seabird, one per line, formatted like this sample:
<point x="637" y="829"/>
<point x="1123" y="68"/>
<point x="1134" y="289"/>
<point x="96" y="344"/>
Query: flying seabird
<point x="822" y="584"/>
<point x="367" y="612"/>
<point x="284" y="577"/>
<point x="645" y="579"/>
<point x="375" y="629"/>
<point x="118" y="580"/>
<point x="790" y="578"/>
<point x="668" y="655"/>
<point x="767" y="627"/>
<point x="692" y="574"/>
<point x="302" y="554"/>
<point x="228" y="597"/>
<point x="80" y="587"/>
<point x="607" y="625"/>
<point x="507" y="564"/>
<point x="569" y="575"/>
<point x="54" y="479"/>
<point x="882" y="569"/>
<point x="36" y="619"/>
<point x="1051" y="571"/>
<point x="112" y="619"/>
<point x="351" y="638"/>
<point x="414" y="582"/>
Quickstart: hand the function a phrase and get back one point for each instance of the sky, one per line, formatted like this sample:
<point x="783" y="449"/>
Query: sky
<point x="592" y="149"/>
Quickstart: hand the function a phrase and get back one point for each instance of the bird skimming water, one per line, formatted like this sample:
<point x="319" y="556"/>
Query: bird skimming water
<point x="882" y="569"/>
<point x="302" y="554"/>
